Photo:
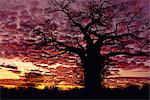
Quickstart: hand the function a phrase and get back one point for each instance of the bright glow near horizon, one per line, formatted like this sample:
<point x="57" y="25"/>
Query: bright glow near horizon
<point x="28" y="66"/>
<point x="4" y="74"/>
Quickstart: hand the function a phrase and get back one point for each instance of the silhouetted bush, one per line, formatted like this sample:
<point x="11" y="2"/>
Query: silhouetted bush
<point x="130" y="92"/>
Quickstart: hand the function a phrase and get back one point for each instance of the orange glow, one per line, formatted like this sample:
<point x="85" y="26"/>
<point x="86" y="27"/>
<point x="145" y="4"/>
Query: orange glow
<point x="10" y="86"/>
<point x="68" y="87"/>
<point x="52" y="79"/>
<point x="4" y="74"/>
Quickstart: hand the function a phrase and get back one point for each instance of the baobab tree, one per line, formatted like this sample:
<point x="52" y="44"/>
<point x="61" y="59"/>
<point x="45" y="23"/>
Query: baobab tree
<point x="94" y="30"/>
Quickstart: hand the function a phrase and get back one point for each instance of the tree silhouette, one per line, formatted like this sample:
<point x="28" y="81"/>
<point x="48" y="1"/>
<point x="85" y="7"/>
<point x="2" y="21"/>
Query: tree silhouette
<point x="94" y="30"/>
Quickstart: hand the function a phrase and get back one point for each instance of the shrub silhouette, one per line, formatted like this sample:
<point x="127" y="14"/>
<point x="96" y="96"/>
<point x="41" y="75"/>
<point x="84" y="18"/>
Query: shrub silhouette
<point x="130" y="92"/>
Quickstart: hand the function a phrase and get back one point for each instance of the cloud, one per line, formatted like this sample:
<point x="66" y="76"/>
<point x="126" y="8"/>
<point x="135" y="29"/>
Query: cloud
<point x="21" y="66"/>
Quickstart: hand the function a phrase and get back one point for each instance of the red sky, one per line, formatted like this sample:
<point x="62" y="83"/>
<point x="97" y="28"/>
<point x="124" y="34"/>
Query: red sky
<point x="12" y="51"/>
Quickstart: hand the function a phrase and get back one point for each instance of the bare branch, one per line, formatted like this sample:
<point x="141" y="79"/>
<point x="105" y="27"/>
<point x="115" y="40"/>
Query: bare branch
<point x="49" y="55"/>
<point x="111" y="54"/>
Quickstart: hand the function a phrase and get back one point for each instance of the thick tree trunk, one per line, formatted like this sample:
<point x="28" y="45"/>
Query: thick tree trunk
<point x="92" y="78"/>
<point x="93" y="65"/>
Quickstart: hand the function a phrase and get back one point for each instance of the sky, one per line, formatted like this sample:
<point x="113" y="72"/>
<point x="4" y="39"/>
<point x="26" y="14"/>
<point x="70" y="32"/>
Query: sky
<point x="16" y="59"/>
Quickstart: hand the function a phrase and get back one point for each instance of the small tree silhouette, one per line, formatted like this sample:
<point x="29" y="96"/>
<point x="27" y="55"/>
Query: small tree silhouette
<point x="94" y="30"/>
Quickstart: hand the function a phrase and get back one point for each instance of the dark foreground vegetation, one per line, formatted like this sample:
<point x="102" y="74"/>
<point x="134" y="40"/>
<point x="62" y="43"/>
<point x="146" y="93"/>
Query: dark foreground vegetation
<point x="131" y="92"/>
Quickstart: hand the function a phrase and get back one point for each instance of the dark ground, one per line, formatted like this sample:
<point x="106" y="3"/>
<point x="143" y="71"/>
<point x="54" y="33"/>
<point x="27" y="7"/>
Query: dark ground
<point x="131" y="92"/>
